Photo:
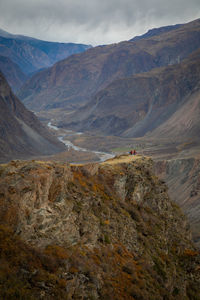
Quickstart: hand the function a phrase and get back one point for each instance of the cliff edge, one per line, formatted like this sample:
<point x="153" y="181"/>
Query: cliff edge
<point x="96" y="231"/>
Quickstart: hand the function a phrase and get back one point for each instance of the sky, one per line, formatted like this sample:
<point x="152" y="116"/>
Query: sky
<point x="93" y="21"/>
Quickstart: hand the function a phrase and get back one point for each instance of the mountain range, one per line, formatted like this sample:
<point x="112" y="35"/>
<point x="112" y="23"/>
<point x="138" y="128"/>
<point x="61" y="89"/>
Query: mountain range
<point x="31" y="55"/>
<point x="76" y="80"/>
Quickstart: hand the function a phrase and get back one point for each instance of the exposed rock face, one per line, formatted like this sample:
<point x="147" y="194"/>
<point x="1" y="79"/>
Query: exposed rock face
<point x="21" y="134"/>
<point x="105" y="231"/>
<point x="75" y="80"/>
<point x="183" y="178"/>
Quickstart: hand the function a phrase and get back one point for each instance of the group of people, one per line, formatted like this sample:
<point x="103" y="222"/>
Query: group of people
<point x="133" y="152"/>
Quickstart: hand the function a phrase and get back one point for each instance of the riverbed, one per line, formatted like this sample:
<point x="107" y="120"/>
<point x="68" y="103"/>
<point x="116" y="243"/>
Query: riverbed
<point x="64" y="133"/>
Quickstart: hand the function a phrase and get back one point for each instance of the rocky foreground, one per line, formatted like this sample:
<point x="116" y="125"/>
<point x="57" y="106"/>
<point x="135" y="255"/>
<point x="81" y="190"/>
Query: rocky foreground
<point x="96" y="231"/>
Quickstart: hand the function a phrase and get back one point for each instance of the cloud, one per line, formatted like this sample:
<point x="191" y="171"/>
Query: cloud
<point x="92" y="21"/>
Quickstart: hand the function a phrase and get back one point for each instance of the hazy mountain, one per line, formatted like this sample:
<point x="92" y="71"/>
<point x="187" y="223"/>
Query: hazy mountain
<point x="21" y="134"/>
<point x="76" y="79"/>
<point x="32" y="54"/>
<point x="12" y="72"/>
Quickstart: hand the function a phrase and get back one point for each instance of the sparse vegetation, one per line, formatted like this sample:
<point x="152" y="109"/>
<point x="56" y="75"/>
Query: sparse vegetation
<point x="97" y="242"/>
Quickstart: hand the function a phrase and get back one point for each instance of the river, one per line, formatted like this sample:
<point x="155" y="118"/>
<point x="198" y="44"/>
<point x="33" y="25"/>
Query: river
<point x="62" y="138"/>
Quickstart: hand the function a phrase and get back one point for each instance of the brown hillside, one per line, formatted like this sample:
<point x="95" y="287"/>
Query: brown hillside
<point x="167" y="97"/>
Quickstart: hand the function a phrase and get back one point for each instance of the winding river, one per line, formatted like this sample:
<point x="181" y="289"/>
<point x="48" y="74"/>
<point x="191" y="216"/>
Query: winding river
<point x="62" y="138"/>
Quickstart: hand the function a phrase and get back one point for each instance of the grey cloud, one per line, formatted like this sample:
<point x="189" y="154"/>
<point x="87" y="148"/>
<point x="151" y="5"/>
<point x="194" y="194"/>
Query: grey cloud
<point x="92" y="21"/>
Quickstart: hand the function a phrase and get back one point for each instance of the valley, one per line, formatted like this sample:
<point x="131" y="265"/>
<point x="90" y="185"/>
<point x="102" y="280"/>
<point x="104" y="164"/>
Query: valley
<point x="81" y="218"/>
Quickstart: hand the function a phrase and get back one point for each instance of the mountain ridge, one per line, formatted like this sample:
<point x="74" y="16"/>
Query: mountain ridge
<point x="155" y="31"/>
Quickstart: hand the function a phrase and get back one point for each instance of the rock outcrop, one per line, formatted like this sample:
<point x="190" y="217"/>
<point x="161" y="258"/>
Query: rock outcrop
<point x="97" y="231"/>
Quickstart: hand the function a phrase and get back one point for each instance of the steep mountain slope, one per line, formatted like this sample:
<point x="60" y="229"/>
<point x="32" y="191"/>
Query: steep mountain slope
<point x="21" y="134"/>
<point x="104" y="231"/>
<point x="32" y="54"/>
<point x="12" y="72"/>
<point x="185" y="122"/>
<point x="137" y="105"/>
<point x="76" y="79"/>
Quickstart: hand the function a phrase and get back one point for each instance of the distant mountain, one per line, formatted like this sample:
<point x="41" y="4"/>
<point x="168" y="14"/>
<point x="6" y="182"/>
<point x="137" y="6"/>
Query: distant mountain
<point x="21" y="134"/>
<point x="32" y="54"/>
<point x="8" y="35"/>
<point x="12" y="72"/>
<point x="155" y="31"/>
<point x="75" y="80"/>
<point x="162" y="102"/>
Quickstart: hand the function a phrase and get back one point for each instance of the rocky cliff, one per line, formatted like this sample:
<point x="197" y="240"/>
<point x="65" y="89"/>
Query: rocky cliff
<point x="182" y="175"/>
<point x="97" y="231"/>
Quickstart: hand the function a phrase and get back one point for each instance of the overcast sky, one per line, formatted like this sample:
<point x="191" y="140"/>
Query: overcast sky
<point x="92" y="21"/>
